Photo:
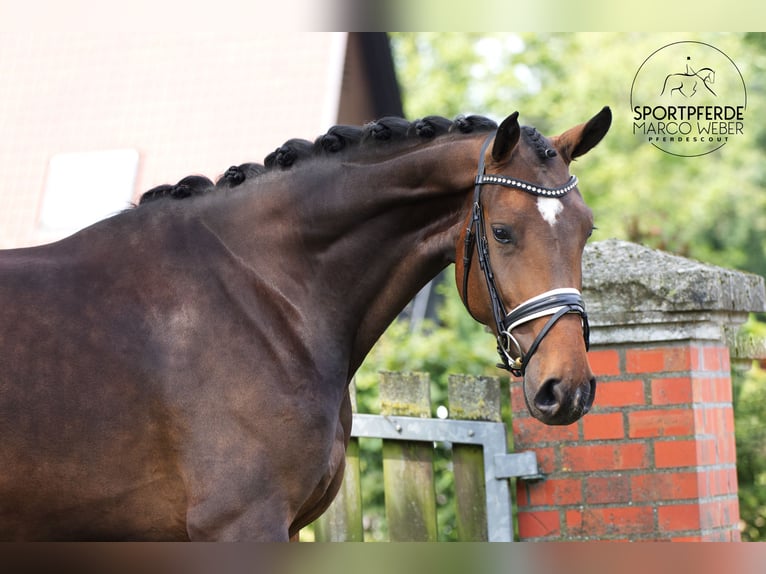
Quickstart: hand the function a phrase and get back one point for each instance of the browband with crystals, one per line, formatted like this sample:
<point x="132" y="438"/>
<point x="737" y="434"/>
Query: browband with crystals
<point x="528" y="187"/>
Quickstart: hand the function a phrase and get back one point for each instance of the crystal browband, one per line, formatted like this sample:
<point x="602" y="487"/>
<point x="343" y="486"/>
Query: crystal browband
<point x="528" y="187"/>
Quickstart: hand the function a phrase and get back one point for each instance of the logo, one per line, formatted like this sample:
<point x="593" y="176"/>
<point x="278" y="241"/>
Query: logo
<point x="688" y="99"/>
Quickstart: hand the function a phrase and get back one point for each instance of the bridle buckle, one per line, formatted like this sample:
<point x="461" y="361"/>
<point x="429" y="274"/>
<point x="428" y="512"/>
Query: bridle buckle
<point x="512" y="358"/>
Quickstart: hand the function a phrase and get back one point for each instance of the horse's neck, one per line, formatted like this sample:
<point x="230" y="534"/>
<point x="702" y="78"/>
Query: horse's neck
<point x="351" y="242"/>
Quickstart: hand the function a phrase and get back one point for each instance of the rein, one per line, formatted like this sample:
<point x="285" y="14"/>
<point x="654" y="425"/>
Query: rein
<point x="554" y="303"/>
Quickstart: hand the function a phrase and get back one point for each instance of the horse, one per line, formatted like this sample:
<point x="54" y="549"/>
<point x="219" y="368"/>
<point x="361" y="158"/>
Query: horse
<point x="180" y="370"/>
<point x="686" y="83"/>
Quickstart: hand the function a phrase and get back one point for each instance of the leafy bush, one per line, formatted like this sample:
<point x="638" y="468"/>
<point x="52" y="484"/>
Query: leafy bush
<point x="750" y="429"/>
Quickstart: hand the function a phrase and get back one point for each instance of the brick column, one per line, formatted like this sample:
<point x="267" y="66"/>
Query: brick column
<point x="655" y="458"/>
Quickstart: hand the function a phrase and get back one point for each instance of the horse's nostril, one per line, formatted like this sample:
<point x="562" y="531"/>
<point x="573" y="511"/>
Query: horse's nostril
<point x="548" y="397"/>
<point x="559" y="404"/>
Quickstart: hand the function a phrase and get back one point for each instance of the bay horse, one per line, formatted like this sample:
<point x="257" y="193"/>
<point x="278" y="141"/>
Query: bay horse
<point x="180" y="371"/>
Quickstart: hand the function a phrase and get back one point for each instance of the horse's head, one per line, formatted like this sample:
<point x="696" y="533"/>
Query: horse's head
<point x="525" y="236"/>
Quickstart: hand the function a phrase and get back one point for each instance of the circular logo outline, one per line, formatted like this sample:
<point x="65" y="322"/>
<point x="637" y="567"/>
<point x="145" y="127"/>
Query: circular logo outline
<point x="638" y="71"/>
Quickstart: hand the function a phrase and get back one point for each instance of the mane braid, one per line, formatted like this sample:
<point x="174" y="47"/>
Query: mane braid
<point x="191" y="185"/>
<point x="237" y="174"/>
<point x="288" y="153"/>
<point x="337" y="139"/>
<point x="430" y="127"/>
<point x="386" y="129"/>
<point x="381" y="133"/>
<point x="541" y="145"/>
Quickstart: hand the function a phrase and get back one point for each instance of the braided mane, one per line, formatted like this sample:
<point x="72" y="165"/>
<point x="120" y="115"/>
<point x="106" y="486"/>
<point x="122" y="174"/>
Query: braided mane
<point x="539" y="143"/>
<point x="338" y="139"/>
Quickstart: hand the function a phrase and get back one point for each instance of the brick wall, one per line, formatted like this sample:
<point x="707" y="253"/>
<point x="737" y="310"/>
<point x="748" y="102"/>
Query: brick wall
<point x="655" y="459"/>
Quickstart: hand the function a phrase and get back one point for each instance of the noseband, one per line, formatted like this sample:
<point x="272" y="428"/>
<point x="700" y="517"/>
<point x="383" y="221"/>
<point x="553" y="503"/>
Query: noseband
<point x="554" y="303"/>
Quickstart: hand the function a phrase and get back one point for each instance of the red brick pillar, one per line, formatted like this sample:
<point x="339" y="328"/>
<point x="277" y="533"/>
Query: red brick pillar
<point x="655" y="458"/>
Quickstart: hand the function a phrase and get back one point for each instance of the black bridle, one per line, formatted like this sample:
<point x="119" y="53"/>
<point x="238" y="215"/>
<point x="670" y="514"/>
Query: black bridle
<point x="554" y="303"/>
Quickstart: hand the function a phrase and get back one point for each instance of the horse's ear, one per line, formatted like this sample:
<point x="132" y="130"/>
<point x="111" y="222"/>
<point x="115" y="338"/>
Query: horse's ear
<point x="506" y="138"/>
<point x="580" y="139"/>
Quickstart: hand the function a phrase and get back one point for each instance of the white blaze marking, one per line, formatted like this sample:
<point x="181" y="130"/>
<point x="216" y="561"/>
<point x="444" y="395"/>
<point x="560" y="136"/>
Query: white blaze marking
<point x="549" y="208"/>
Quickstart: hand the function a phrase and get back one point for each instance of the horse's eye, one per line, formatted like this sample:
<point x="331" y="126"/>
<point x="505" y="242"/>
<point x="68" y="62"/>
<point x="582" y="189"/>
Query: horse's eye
<point x="502" y="234"/>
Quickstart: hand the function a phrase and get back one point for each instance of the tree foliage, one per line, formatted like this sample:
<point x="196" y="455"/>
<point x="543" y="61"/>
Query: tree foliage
<point x="711" y="208"/>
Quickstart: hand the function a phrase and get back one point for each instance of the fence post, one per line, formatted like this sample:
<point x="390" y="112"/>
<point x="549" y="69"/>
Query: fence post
<point x="342" y="521"/>
<point x="655" y="458"/>
<point x="477" y="399"/>
<point x="408" y="475"/>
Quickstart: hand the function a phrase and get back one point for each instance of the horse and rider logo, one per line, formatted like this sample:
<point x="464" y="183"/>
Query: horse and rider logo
<point x="686" y="83"/>
<point x="688" y="99"/>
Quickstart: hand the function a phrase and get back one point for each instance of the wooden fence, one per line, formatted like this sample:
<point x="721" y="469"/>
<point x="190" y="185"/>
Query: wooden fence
<point x="480" y="463"/>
